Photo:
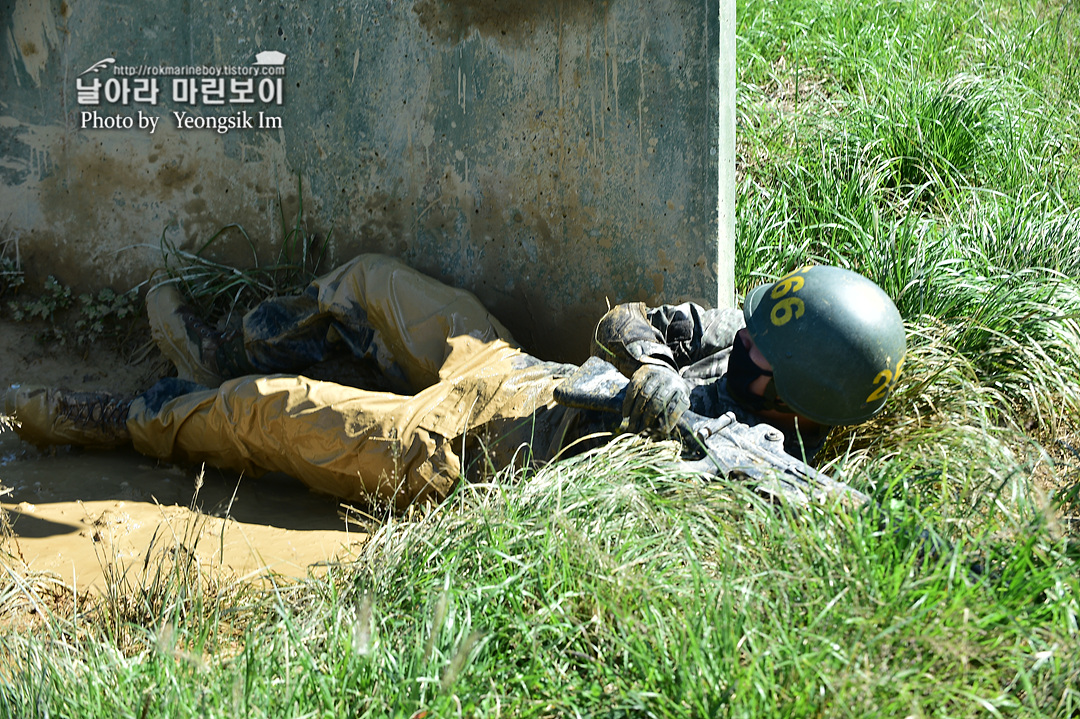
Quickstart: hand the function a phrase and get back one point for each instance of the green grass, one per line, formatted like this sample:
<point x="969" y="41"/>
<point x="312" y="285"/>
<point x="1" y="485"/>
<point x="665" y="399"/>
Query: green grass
<point x="609" y="585"/>
<point x="932" y="146"/>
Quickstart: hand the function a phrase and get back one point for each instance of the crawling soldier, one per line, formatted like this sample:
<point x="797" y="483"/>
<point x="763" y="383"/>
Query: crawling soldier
<point x="822" y="346"/>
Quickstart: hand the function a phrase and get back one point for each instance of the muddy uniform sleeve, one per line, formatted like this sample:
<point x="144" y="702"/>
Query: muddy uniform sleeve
<point x="678" y="336"/>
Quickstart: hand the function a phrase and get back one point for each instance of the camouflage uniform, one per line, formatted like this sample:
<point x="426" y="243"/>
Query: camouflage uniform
<point x="695" y="342"/>
<point x="454" y="392"/>
<point x="465" y="392"/>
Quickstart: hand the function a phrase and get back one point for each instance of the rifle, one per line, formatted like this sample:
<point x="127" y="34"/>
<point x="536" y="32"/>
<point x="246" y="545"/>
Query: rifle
<point x="728" y="448"/>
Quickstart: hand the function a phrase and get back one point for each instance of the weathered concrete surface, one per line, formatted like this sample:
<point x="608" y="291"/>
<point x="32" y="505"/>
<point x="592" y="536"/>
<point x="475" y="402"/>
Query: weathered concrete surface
<point x="550" y="155"/>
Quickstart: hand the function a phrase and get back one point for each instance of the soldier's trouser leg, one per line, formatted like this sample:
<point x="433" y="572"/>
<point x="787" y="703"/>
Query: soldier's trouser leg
<point x="343" y="441"/>
<point x="376" y="307"/>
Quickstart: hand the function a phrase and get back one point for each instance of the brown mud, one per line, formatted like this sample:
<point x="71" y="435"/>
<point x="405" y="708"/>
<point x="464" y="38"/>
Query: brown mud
<point x="86" y="515"/>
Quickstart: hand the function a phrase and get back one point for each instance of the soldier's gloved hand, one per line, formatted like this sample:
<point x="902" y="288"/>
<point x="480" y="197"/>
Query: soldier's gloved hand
<point x="656" y="398"/>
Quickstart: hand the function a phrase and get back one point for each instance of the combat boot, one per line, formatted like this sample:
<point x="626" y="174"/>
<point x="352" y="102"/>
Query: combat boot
<point x="45" y="416"/>
<point x="189" y="343"/>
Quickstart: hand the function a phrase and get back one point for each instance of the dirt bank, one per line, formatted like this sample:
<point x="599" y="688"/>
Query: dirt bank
<point x="86" y="515"/>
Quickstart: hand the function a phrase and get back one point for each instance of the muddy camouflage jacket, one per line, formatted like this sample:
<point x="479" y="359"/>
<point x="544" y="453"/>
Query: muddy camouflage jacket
<point x="695" y="342"/>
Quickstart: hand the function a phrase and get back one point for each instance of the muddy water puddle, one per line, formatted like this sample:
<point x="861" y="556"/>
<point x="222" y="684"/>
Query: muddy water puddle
<point x="79" y="513"/>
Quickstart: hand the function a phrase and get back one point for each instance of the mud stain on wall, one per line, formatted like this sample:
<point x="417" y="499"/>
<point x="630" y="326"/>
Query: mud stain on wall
<point x="93" y="206"/>
<point x="32" y="36"/>
<point x="455" y="20"/>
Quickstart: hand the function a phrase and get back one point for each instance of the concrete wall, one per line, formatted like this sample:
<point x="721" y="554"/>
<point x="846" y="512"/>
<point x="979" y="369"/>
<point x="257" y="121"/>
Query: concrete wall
<point x="550" y="155"/>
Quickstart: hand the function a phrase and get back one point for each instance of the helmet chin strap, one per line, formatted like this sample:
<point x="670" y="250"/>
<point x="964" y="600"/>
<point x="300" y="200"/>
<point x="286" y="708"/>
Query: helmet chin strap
<point x="769" y="400"/>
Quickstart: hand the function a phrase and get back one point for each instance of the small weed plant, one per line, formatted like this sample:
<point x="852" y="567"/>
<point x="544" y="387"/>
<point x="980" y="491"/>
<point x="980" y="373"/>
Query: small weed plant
<point x="11" y="276"/>
<point x="105" y="316"/>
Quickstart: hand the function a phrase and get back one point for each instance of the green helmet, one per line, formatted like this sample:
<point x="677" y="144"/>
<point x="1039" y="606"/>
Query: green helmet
<point x="835" y="341"/>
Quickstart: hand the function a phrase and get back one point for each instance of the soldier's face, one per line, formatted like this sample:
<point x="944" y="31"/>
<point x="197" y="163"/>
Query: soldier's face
<point x="784" y="420"/>
<point x="757" y="387"/>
